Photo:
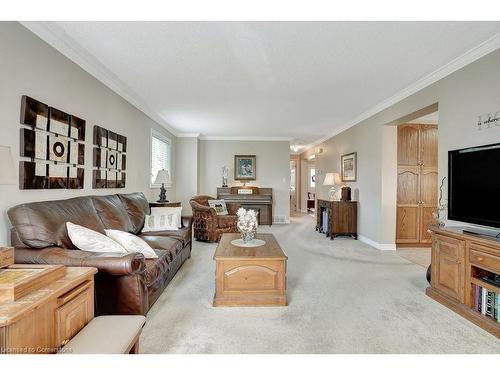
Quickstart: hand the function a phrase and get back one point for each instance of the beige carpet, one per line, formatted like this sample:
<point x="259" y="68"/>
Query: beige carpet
<point x="420" y="256"/>
<point x="344" y="297"/>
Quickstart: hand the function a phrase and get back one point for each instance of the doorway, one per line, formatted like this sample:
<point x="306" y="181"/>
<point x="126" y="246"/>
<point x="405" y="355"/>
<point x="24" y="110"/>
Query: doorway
<point x="417" y="180"/>
<point x="293" y="186"/>
<point x="311" y="188"/>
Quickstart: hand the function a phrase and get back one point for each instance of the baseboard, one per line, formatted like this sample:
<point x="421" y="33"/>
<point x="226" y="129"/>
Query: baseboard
<point x="281" y="219"/>
<point x="376" y="245"/>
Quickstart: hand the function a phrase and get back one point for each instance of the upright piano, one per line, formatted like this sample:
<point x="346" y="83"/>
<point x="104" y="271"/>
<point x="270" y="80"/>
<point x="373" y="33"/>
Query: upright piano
<point x="260" y="200"/>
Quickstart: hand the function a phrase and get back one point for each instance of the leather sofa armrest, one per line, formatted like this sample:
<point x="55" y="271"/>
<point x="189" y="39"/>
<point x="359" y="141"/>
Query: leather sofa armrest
<point x="187" y="221"/>
<point x="112" y="264"/>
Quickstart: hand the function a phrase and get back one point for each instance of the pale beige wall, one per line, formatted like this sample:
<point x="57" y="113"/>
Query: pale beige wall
<point x="366" y="142"/>
<point x="273" y="167"/>
<point x="461" y="96"/>
<point x="187" y="181"/>
<point x="28" y="66"/>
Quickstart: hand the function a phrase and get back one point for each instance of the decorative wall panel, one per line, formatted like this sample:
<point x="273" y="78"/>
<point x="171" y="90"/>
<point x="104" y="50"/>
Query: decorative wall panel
<point x="109" y="156"/>
<point x="53" y="141"/>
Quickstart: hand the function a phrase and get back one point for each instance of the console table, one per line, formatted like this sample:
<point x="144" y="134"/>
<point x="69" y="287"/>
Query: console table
<point x="260" y="200"/>
<point x="342" y="218"/>
<point x="459" y="263"/>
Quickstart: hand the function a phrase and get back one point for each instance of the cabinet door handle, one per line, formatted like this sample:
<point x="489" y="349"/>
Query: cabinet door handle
<point x="479" y="259"/>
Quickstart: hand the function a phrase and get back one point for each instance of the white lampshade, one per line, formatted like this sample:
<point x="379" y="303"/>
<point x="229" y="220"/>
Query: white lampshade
<point x="7" y="172"/>
<point x="163" y="177"/>
<point x="332" y="179"/>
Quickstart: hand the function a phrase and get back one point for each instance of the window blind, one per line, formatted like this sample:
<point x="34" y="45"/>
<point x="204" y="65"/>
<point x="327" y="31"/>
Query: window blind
<point x="160" y="156"/>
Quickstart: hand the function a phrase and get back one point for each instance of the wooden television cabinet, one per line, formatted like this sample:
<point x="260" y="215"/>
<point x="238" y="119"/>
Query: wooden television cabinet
<point x="459" y="260"/>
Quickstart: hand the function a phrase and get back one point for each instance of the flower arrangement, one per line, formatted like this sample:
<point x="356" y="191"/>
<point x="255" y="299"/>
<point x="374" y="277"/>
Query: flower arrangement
<point x="247" y="224"/>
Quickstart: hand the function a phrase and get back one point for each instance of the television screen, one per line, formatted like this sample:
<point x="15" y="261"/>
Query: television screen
<point x="474" y="185"/>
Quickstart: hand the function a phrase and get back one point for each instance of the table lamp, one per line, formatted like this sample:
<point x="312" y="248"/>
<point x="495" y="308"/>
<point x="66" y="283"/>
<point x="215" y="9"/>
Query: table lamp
<point x="163" y="177"/>
<point x="333" y="180"/>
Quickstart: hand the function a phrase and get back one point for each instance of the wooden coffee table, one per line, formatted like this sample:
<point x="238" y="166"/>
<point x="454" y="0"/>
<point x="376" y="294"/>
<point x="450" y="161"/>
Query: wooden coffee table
<point x="250" y="276"/>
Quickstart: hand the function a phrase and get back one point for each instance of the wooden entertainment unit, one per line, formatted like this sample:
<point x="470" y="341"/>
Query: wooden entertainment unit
<point x="459" y="261"/>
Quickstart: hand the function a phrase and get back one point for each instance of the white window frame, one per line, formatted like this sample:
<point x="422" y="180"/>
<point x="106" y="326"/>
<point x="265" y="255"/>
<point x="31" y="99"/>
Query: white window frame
<point x="163" y="138"/>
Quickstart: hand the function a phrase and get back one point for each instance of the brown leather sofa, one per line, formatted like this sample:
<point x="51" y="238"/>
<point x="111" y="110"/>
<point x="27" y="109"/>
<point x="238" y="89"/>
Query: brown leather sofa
<point x="207" y="225"/>
<point x="126" y="284"/>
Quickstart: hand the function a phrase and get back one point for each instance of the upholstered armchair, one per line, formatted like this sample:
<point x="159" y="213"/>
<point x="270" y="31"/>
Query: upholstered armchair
<point x="207" y="225"/>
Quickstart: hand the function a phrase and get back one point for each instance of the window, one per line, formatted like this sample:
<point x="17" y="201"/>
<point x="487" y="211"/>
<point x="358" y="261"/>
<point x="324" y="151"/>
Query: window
<point x="160" y="155"/>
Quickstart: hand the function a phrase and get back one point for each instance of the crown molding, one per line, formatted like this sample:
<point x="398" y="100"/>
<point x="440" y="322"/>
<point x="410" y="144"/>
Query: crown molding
<point x="188" y="135"/>
<point x="461" y="61"/>
<point x="58" y="39"/>
<point x="231" y="138"/>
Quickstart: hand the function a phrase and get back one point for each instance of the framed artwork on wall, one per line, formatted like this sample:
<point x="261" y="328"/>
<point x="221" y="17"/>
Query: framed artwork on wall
<point x="53" y="141"/>
<point x="245" y="168"/>
<point x="349" y="164"/>
<point x="110" y="159"/>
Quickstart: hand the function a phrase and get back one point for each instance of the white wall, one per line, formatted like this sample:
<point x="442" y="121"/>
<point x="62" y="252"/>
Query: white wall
<point x="28" y="66"/>
<point x="187" y="181"/>
<point x="461" y="96"/>
<point x="273" y="168"/>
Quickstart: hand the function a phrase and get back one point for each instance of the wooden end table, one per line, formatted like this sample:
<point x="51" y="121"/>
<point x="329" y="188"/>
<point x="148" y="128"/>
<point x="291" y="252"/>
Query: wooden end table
<point x="250" y="276"/>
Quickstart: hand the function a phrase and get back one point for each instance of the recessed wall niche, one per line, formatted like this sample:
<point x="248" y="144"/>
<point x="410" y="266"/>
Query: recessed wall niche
<point x="53" y="141"/>
<point x="110" y="159"/>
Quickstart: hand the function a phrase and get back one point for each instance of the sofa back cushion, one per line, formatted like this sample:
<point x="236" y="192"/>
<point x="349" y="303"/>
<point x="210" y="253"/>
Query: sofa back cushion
<point x="43" y="224"/>
<point x="112" y="212"/>
<point x="137" y="207"/>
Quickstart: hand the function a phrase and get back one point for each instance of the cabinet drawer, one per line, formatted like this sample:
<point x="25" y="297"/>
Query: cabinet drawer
<point x="76" y="310"/>
<point x="482" y="259"/>
<point x="450" y="247"/>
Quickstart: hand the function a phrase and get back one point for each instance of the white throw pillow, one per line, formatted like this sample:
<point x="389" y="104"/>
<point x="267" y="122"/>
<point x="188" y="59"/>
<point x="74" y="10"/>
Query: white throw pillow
<point x="131" y="243"/>
<point x="163" y="218"/>
<point x="89" y="240"/>
<point x="219" y="205"/>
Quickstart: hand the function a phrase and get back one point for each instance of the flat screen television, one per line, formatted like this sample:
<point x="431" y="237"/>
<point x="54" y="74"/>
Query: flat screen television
<point x="474" y="185"/>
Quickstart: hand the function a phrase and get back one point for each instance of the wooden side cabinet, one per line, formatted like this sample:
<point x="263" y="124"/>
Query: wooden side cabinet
<point x="42" y="321"/>
<point x="448" y="271"/>
<point x="342" y="218"/>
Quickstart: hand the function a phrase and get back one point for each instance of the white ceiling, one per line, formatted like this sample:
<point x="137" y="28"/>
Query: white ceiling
<point x="299" y="80"/>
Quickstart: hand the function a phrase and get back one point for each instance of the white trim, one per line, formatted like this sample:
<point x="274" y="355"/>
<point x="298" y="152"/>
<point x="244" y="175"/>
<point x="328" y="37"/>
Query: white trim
<point x="62" y="42"/>
<point x="286" y="220"/>
<point x="156" y="134"/>
<point x="376" y="245"/>
<point x="235" y="138"/>
<point x="461" y="61"/>
<point x="188" y="135"/>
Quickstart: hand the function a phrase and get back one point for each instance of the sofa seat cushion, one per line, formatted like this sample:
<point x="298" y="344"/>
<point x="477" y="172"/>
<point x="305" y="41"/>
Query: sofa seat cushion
<point x="162" y="243"/>
<point x="157" y="269"/>
<point x="227" y="221"/>
<point x="183" y="235"/>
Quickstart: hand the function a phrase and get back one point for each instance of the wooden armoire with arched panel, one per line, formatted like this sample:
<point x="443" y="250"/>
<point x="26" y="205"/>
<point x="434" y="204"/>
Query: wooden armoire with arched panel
<point x="417" y="191"/>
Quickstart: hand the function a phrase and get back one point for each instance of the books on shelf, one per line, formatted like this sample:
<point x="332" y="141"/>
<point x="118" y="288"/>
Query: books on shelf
<point x="487" y="302"/>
